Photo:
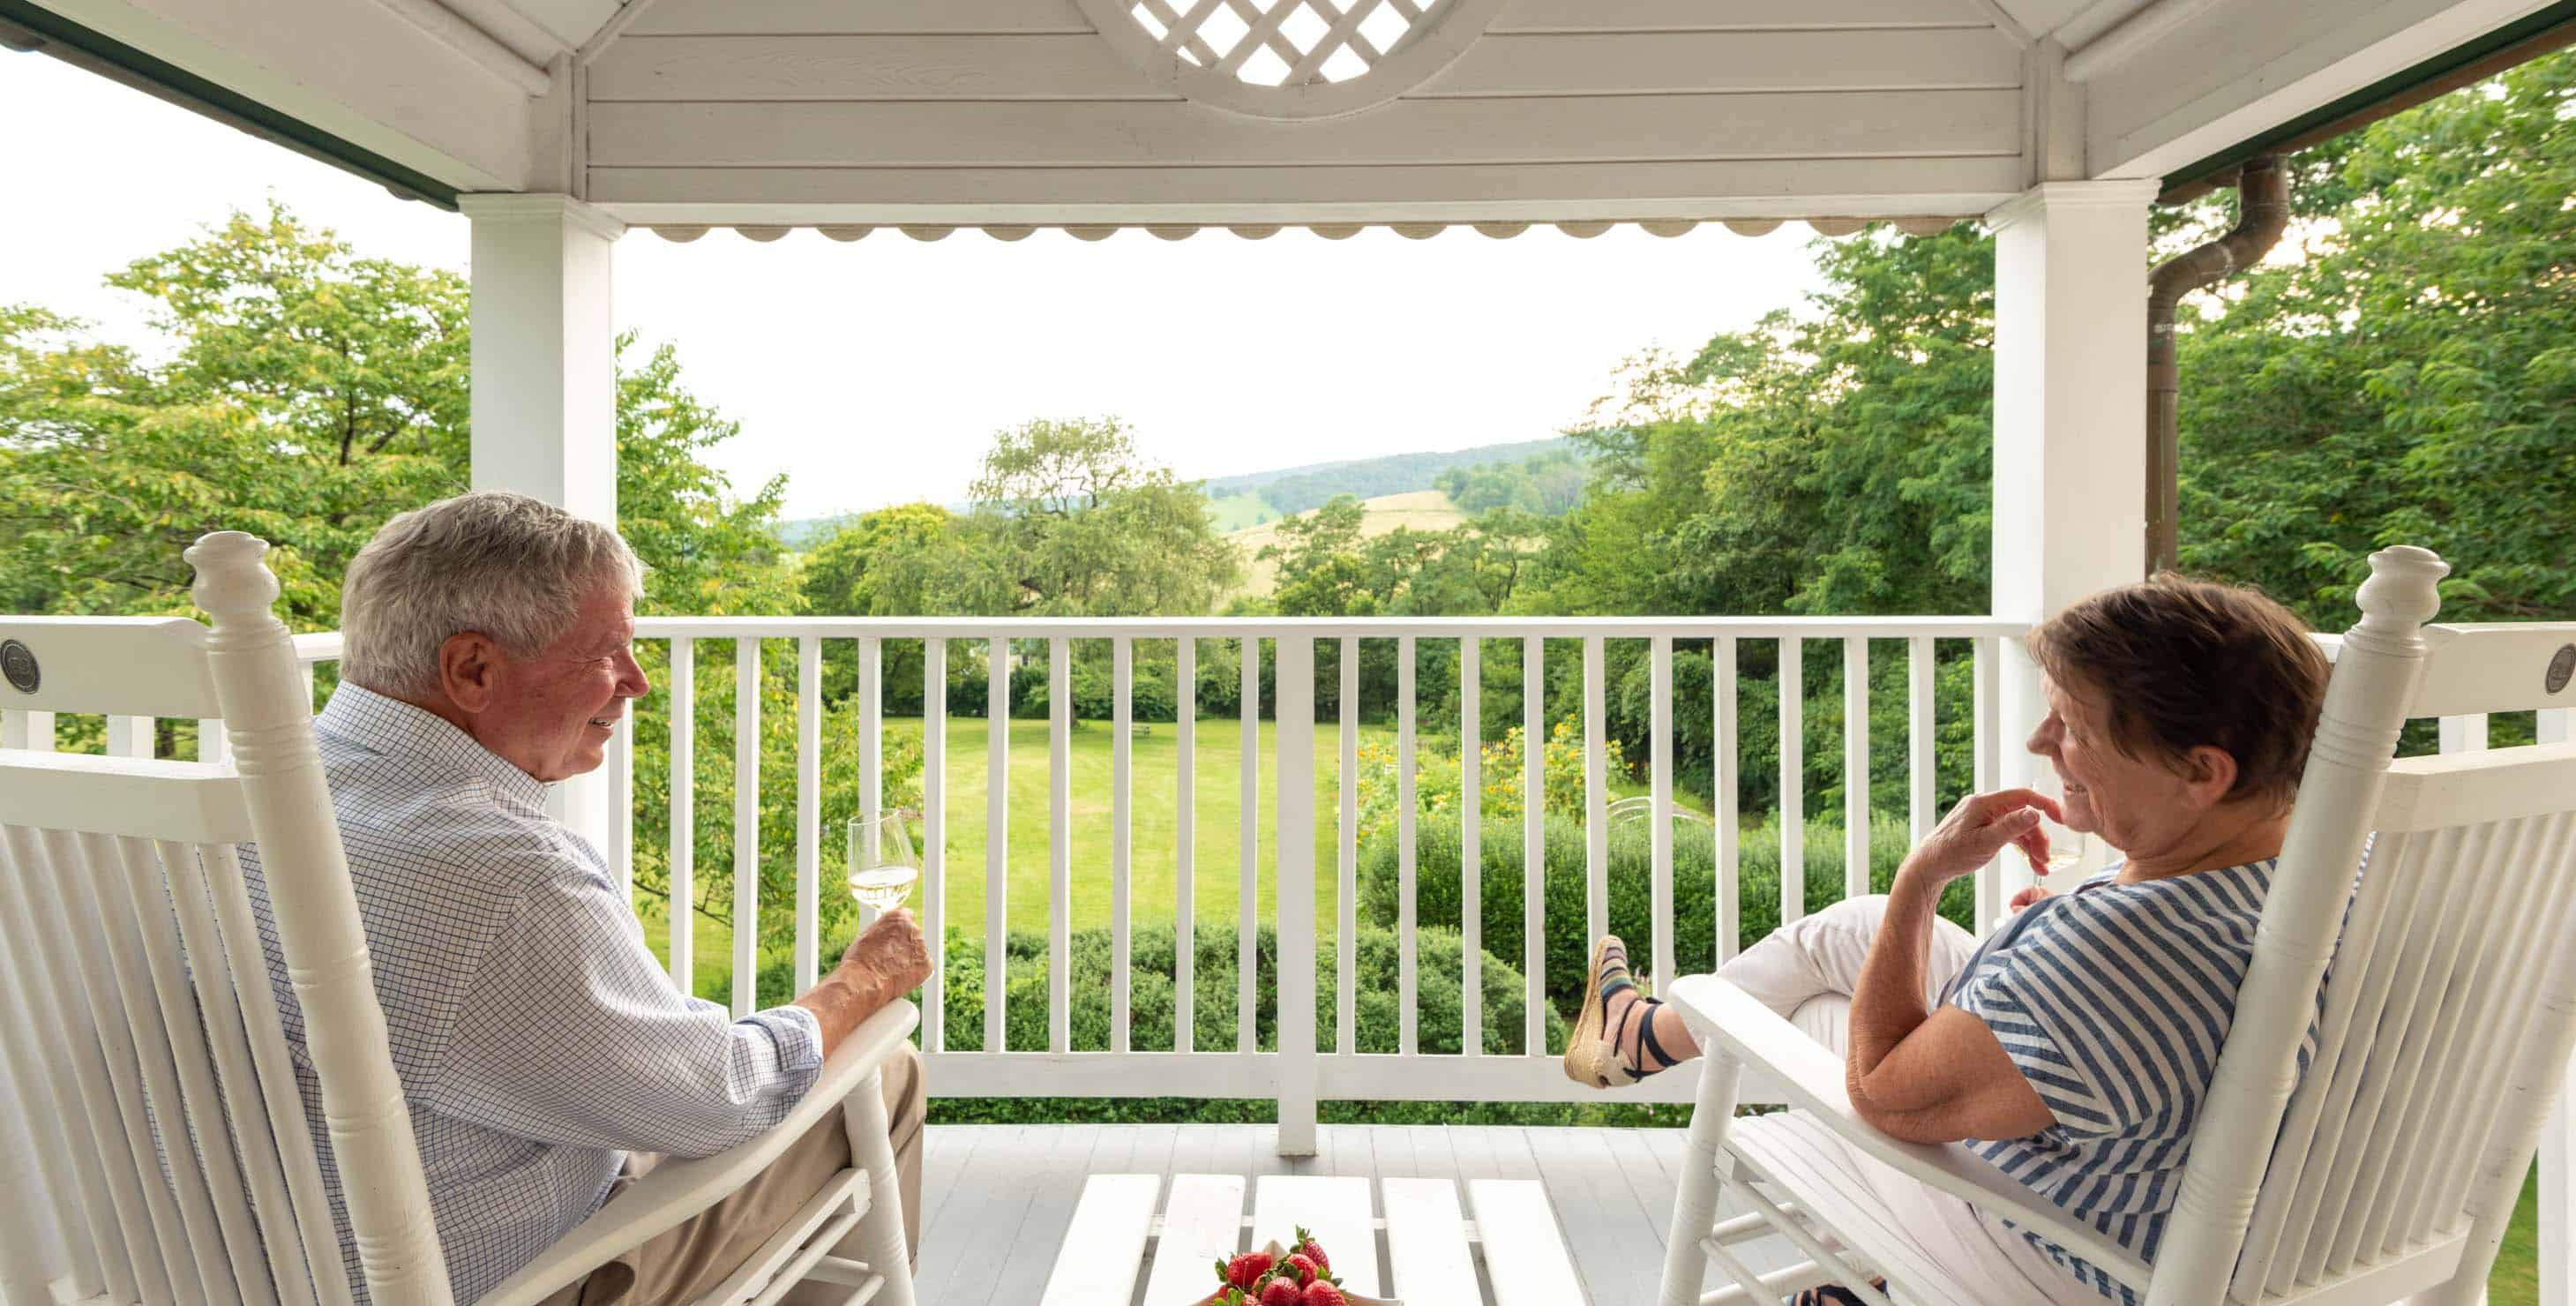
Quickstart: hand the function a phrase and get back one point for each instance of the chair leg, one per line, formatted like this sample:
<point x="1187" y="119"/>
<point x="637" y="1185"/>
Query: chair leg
<point x="1695" y="1208"/>
<point x="881" y="1229"/>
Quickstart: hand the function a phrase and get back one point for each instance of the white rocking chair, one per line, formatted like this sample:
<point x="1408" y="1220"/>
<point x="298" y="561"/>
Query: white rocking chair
<point x="2389" y="1174"/>
<point x="148" y="1029"/>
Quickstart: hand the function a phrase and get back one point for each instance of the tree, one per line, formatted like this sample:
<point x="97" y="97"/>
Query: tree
<point x="1070" y="521"/>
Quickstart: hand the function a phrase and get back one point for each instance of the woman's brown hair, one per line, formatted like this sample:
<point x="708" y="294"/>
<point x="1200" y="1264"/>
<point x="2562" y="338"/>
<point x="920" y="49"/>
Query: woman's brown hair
<point x="2180" y="664"/>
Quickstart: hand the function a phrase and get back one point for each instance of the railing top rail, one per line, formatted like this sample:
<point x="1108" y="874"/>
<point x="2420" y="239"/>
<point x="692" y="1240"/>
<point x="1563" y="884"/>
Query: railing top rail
<point x="1961" y="627"/>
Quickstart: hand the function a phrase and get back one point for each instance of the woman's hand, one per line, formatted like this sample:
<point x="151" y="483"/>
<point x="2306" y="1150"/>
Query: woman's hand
<point x="1977" y="829"/>
<point x="2030" y="894"/>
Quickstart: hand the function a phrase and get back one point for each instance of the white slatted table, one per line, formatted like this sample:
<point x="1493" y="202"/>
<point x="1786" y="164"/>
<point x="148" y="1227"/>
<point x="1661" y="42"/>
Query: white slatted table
<point x="1430" y="1257"/>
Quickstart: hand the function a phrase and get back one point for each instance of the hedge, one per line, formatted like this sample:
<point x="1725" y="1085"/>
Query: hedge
<point x="1438" y="846"/>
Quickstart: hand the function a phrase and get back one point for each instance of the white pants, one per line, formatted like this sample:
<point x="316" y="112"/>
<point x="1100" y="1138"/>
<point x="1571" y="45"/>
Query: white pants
<point x="1806" y="971"/>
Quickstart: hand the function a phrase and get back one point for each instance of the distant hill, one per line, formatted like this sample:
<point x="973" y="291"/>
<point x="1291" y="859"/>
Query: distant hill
<point x="1259" y="498"/>
<point x="1293" y="490"/>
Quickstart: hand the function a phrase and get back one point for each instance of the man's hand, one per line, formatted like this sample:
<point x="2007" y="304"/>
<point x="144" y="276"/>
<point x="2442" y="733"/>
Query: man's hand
<point x="1977" y="829"/>
<point x="889" y="959"/>
<point x="881" y="965"/>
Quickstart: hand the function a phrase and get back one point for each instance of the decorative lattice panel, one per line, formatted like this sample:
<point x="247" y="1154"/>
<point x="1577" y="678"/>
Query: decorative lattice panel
<point x="1291" y="58"/>
<point x="1283" y="42"/>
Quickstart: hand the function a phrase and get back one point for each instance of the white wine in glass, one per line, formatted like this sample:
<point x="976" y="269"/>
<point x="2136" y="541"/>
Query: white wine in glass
<point x="883" y="864"/>
<point x="2065" y="849"/>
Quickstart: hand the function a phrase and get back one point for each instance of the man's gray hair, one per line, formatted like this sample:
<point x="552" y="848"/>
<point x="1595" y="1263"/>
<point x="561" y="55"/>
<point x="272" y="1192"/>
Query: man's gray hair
<point x="505" y="565"/>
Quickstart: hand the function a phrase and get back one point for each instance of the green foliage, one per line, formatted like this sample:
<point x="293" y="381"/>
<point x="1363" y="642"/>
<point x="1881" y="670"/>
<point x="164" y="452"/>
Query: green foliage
<point x="1548" y="485"/>
<point x="1439" y="849"/>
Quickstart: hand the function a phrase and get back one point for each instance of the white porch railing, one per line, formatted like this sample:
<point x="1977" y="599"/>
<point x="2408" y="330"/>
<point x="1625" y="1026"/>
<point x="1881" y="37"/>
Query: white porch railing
<point x="1305" y="1064"/>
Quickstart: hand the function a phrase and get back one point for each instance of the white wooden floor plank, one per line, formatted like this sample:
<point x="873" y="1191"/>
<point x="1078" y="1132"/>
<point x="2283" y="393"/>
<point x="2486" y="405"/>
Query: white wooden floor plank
<point x="1337" y="1209"/>
<point x="1604" y="1225"/>
<point x="1102" y="1249"/>
<point x="982" y="1196"/>
<point x="1655" y="1193"/>
<point x="1202" y="1223"/>
<point x="1428" y="1262"/>
<point x="1012" y="1268"/>
<point x="1434" y="1156"/>
<point x="1394" y="1146"/>
<point x="1524" y="1250"/>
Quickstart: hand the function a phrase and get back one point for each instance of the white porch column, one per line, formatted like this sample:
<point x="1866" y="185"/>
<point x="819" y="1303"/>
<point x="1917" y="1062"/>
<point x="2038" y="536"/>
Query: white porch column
<point x="545" y="382"/>
<point x="2070" y="422"/>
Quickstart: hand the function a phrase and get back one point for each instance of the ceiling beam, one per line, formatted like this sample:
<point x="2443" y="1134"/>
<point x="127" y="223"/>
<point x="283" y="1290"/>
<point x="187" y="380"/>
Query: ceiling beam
<point x="2132" y="37"/>
<point x="448" y="29"/>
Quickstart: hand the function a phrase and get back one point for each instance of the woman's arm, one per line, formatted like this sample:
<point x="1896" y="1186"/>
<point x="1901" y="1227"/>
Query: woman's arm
<point x="1941" y="1077"/>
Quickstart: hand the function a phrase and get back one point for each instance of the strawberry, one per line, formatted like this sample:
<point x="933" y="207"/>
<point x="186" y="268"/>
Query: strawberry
<point x="1322" y="1293"/>
<point x="1245" y="1271"/>
<point x="1301" y="1266"/>
<point x="1280" y="1292"/>
<point x="1312" y="1250"/>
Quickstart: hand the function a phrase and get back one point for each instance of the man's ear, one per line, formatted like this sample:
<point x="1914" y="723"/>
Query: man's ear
<point x="468" y="670"/>
<point x="2209" y="775"/>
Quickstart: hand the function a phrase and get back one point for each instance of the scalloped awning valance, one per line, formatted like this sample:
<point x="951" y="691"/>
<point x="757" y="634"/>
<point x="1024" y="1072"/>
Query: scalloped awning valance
<point x="1913" y="226"/>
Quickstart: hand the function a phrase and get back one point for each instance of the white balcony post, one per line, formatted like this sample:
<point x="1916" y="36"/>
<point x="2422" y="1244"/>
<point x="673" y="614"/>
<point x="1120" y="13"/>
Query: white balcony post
<point x="545" y="382"/>
<point x="2070" y="423"/>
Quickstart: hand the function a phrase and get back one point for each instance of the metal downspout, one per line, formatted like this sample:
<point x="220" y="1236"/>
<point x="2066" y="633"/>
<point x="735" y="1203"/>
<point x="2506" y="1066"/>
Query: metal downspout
<point x="2263" y="209"/>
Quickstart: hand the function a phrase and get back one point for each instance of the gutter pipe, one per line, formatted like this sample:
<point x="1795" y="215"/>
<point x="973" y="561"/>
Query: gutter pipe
<point x="2263" y="210"/>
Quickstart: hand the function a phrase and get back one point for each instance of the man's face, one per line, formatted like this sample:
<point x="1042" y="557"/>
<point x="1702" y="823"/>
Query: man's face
<point x="551" y="715"/>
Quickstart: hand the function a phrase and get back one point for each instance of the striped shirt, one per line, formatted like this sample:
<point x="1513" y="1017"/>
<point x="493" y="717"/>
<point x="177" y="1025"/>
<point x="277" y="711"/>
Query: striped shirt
<point x="2114" y="1000"/>
<point x="536" y="1039"/>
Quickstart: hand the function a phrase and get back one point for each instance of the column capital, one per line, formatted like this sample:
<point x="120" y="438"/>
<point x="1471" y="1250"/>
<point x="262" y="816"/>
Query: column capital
<point x="2040" y="199"/>
<point x="517" y="207"/>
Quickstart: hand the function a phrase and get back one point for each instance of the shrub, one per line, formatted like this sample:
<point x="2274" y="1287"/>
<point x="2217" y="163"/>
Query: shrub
<point x="1437" y="848"/>
<point x="1375" y="980"/>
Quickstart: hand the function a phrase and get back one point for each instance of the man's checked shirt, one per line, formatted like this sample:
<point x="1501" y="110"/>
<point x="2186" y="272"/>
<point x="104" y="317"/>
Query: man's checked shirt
<point x="536" y="1039"/>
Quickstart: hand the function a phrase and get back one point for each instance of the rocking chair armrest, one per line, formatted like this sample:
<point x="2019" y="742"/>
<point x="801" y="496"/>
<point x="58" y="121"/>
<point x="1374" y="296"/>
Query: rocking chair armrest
<point x="674" y="1191"/>
<point x="1731" y="1023"/>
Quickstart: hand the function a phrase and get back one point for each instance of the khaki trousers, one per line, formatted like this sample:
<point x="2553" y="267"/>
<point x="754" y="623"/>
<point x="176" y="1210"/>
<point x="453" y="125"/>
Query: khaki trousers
<point x="687" y="1262"/>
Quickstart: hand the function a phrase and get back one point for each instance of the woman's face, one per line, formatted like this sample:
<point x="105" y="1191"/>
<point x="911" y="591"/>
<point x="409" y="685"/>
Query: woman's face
<point x="2138" y="805"/>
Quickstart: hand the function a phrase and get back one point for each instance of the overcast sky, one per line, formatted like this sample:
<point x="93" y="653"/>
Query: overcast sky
<point x="873" y="373"/>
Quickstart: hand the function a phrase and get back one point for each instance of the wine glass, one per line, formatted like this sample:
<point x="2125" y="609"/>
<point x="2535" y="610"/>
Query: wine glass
<point x="883" y="864"/>
<point x="2066" y="849"/>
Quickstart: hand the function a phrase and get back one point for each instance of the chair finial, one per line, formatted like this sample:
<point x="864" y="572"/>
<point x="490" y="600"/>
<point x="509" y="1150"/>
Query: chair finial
<point x="2401" y="591"/>
<point x="233" y="584"/>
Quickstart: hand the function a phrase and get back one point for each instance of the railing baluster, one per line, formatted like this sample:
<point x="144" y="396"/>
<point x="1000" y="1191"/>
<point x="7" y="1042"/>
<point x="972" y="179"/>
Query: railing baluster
<point x="1185" y="705"/>
<point x="1921" y="770"/>
<point x="212" y="743"/>
<point x="1247" y="929"/>
<point x="1855" y="767"/>
<point x="1725" y="779"/>
<point x="1296" y="883"/>
<point x="1987" y="748"/>
<point x="809" y="806"/>
<point x="746" y="823"/>
<point x="2463" y="734"/>
<point x="997" y="840"/>
<point x="1471" y="859"/>
<point x="684" y="820"/>
<point x="129" y="736"/>
<point x="1346" y="900"/>
<point x="1660" y="669"/>
<point x="1793" y="779"/>
<point x="1059" y="845"/>
<point x="1123" y="676"/>
<point x="33" y="731"/>
<point x="871" y="726"/>
<point x="934" y="840"/>
<point x="1533" y="846"/>
<point x="621" y="805"/>
<point x="1596" y="798"/>
<point x="1405" y="852"/>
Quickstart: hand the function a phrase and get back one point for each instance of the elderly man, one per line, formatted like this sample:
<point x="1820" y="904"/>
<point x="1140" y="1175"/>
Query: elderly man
<point x="541" y="1048"/>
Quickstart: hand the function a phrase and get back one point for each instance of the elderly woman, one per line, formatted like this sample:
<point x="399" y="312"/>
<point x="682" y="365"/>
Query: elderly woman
<point x="2073" y="1045"/>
